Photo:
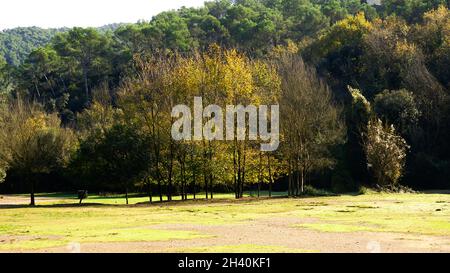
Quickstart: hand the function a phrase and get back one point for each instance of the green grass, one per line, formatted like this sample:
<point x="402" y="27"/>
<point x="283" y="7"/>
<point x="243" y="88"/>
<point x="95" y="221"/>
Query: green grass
<point x="23" y="228"/>
<point x="403" y="213"/>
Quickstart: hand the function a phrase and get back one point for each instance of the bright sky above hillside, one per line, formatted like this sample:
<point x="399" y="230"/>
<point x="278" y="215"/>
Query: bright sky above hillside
<point x="84" y="13"/>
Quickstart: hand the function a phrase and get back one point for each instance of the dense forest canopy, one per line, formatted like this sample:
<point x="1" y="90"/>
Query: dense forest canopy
<point x="17" y="43"/>
<point x="387" y="62"/>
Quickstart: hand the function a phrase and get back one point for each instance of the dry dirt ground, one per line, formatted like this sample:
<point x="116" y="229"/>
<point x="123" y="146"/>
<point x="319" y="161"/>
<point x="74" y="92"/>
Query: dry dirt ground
<point x="277" y="232"/>
<point x="24" y="200"/>
<point x="266" y="233"/>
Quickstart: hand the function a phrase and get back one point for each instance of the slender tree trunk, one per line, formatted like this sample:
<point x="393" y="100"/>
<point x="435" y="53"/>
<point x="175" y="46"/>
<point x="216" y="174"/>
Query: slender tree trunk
<point x="211" y="185"/>
<point x="193" y="184"/>
<point x="290" y="190"/>
<point x="289" y="183"/>
<point x="211" y="179"/>
<point x="302" y="174"/>
<point x="205" y="180"/>
<point x="183" y="187"/>
<point x="159" y="177"/>
<point x="32" y="203"/>
<point x="240" y="176"/>
<point x="205" y="175"/>
<point x="260" y="178"/>
<point x="182" y="180"/>
<point x="235" y="179"/>
<point x="37" y="90"/>
<point x="160" y="190"/>
<point x="243" y="168"/>
<point x="242" y="185"/>
<point x="193" y="171"/>
<point x="270" y="174"/>
<point x="156" y="149"/>
<point x="169" y="187"/>
<point x="49" y="84"/>
<point x="86" y="86"/>
<point x="126" y="194"/>
<point x="150" y="194"/>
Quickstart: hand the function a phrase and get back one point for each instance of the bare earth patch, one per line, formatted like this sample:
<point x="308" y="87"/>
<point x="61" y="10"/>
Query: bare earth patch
<point x="24" y="200"/>
<point x="276" y="232"/>
<point x="365" y="223"/>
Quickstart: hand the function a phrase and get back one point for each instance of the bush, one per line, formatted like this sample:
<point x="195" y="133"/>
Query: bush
<point x="363" y="190"/>
<point x="386" y="153"/>
<point x="311" y="191"/>
<point x="394" y="189"/>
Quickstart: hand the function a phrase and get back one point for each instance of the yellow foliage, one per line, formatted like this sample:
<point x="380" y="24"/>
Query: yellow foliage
<point x="347" y="31"/>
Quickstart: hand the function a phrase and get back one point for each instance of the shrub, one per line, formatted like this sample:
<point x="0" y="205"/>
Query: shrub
<point x="386" y="153"/>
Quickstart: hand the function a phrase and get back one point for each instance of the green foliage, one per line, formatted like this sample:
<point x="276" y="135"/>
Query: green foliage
<point x="86" y="51"/>
<point x="6" y="78"/>
<point x="17" y="43"/>
<point x="361" y="110"/>
<point x="310" y="131"/>
<point x="116" y="157"/>
<point x="32" y="142"/>
<point x="433" y="38"/>
<point x="311" y="191"/>
<point x="347" y="32"/>
<point x="122" y="154"/>
<point x="398" y="108"/>
<point x="386" y="153"/>
<point x="169" y="30"/>
<point x="411" y="10"/>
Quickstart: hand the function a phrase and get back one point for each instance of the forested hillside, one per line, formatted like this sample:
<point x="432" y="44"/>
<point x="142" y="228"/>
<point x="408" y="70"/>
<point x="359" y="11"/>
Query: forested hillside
<point x="16" y="44"/>
<point x="380" y="75"/>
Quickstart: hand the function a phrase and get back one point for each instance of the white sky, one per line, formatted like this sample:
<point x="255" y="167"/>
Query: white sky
<point x="83" y="13"/>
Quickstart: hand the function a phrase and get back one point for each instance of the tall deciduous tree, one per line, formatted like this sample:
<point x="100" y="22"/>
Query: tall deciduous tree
<point x="311" y="122"/>
<point x="123" y="155"/>
<point x="33" y="142"/>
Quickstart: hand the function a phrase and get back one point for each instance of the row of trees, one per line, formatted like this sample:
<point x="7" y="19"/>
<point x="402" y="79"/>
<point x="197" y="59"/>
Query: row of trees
<point x="220" y="77"/>
<point x="128" y="143"/>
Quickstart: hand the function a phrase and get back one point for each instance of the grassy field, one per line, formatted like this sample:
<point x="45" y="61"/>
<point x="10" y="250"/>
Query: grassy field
<point x="394" y="222"/>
